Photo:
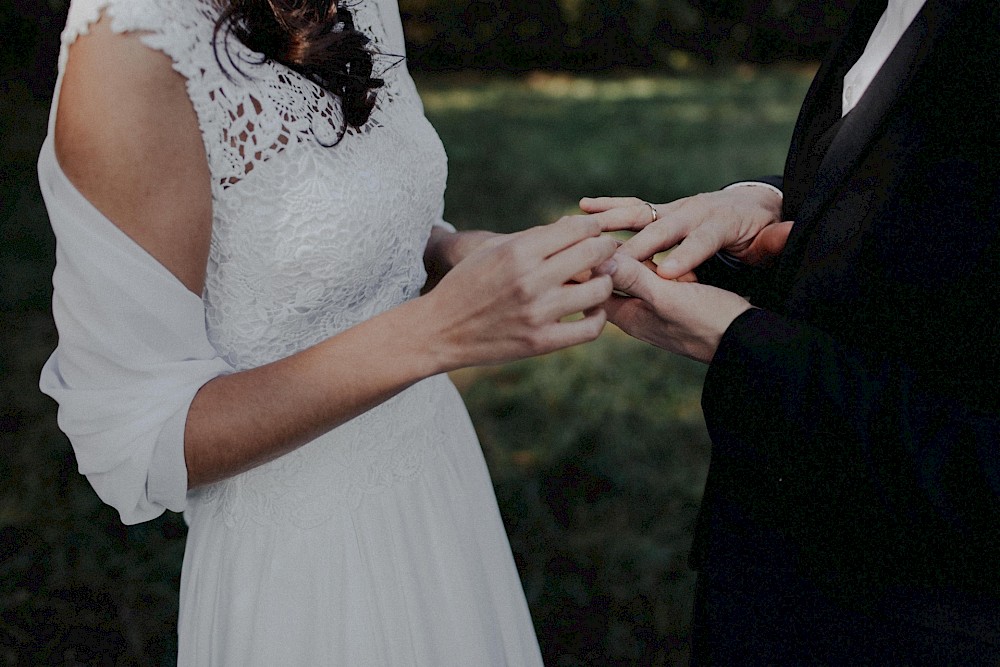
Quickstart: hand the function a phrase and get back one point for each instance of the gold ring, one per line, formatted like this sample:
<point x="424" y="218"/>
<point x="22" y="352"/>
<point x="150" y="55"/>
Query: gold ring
<point x="652" y="209"/>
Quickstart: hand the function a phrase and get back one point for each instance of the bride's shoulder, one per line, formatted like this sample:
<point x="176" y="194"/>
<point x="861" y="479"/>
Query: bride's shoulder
<point x="127" y="137"/>
<point x="173" y="23"/>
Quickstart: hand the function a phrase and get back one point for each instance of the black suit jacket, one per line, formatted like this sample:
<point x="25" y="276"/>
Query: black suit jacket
<point x="855" y="416"/>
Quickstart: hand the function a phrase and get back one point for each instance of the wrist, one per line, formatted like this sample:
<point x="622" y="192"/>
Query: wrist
<point x="446" y="249"/>
<point x="769" y="198"/>
<point x="446" y="336"/>
<point x="757" y="184"/>
<point x="425" y="343"/>
<point x="723" y="325"/>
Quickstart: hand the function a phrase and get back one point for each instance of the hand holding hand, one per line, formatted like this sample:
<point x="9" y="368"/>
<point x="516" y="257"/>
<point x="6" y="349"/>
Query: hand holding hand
<point x="507" y="299"/>
<point x="686" y="318"/>
<point x="745" y="222"/>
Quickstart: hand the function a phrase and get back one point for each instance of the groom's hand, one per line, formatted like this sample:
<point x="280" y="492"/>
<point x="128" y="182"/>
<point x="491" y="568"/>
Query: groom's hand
<point x="681" y="317"/>
<point x="744" y="222"/>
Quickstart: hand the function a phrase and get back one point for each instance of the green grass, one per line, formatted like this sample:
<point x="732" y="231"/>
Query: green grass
<point x="523" y="151"/>
<point x="598" y="453"/>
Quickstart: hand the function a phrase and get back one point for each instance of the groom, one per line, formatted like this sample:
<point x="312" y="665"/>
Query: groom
<point x="852" y="510"/>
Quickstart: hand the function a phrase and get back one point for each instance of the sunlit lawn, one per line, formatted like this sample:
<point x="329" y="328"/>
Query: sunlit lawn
<point x="598" y="453"/>
<point x="524" y="151"/>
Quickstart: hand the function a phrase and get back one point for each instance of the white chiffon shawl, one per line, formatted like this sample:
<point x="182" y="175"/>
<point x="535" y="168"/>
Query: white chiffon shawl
<point x="133" y="352"/>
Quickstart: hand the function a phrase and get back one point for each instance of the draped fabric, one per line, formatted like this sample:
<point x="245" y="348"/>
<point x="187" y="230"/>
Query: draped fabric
<point x="133" y="351"/>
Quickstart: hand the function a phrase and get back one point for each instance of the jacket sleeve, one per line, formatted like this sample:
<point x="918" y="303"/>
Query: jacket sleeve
<point x="807" y="409"/>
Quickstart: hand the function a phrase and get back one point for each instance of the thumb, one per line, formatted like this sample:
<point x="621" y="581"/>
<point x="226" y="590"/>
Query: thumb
<point x="768" y="244"/>
<point x="634" y="278"/>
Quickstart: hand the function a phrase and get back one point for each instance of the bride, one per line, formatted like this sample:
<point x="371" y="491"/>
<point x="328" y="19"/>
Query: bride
<point x="246" y="198"/>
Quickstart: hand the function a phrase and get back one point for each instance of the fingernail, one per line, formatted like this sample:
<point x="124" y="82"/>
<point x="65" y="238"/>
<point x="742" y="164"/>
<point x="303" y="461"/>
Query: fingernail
<point x="607" y="267"/>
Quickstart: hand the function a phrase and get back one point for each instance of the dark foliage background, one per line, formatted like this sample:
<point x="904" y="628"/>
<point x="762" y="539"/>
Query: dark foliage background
<point x="579" y="35"/>
<point x="592" y="35"/>
<point x="598" y="453"/>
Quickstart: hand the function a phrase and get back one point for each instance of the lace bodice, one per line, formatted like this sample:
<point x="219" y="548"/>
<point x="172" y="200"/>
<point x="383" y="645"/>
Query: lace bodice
<point x="308" y="239"/>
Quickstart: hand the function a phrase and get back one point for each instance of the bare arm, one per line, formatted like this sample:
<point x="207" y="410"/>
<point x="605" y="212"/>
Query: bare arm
<point x="506" y="302"/>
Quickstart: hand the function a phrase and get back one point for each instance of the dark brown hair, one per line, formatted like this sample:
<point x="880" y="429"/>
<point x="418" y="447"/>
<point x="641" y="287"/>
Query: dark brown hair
<point x="315" y="38"/>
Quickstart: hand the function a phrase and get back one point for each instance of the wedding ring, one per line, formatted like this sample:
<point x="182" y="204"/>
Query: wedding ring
<point x="652" y="210"/>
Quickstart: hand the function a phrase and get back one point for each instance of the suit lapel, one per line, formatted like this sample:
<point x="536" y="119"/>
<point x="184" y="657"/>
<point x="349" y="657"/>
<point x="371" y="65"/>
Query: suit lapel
<point x="864" y="122"/>
<point x="860" y="127"/>
<point x="822" y="105"/>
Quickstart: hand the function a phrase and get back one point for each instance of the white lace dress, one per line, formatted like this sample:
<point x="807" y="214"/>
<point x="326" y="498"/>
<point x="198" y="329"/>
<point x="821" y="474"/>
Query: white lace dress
<point x="379" y="543"/>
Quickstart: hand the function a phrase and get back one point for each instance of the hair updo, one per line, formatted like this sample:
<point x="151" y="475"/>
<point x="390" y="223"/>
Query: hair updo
<point x="315" y="38"/>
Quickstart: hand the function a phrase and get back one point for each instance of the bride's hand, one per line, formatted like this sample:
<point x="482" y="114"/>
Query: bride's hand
<point x="445" y="249"/>
<point x="508" y="298"/>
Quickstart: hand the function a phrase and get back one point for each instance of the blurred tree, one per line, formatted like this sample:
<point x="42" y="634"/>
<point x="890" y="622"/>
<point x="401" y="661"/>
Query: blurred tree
<point x="582" y="35"/>
<point x="599" y="34"/>
<point x="31" y="42"/>
<point x="484" y="34"/>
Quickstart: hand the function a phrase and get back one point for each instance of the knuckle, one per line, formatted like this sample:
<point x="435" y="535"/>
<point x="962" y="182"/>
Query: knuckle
<point x="508" y="252"/>
<point x="533" y="318"/>
<point x="598" y="249"/>
<point x="590" y="329"/>
<point x="606" y="286"/>
<point x="699" y="203"/>
<point x="627" y="276"/>
<point x="589" y="225"/>
<point x="608" y="245"/>
<point x="515" y="257"/>
<point x="598" y="289"/>
<point x="521" y="290"/>
<point x="597" y="324"/>
<point x="537" y="343"/>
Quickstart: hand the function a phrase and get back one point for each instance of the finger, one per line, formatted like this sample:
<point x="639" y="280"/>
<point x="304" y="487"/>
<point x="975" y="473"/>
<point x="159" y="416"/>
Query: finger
<point x="703" y="242"/>
<point x="633" y="217"/>
<point x="574" y="332"/>
<point x="605" y="268"/>
<point x="599" y="204"/>
<point x="578" y="297"/>
<point x="634" y="279"/>
<point x="688" y="277"/>
<point x="656" y="237"/>
<point x="547" y="240"/>
<point x="586" y="255"/>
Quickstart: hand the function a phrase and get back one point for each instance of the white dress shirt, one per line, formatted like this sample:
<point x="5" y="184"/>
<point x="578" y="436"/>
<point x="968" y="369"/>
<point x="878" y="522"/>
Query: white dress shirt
<point x="897" y="18"/>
